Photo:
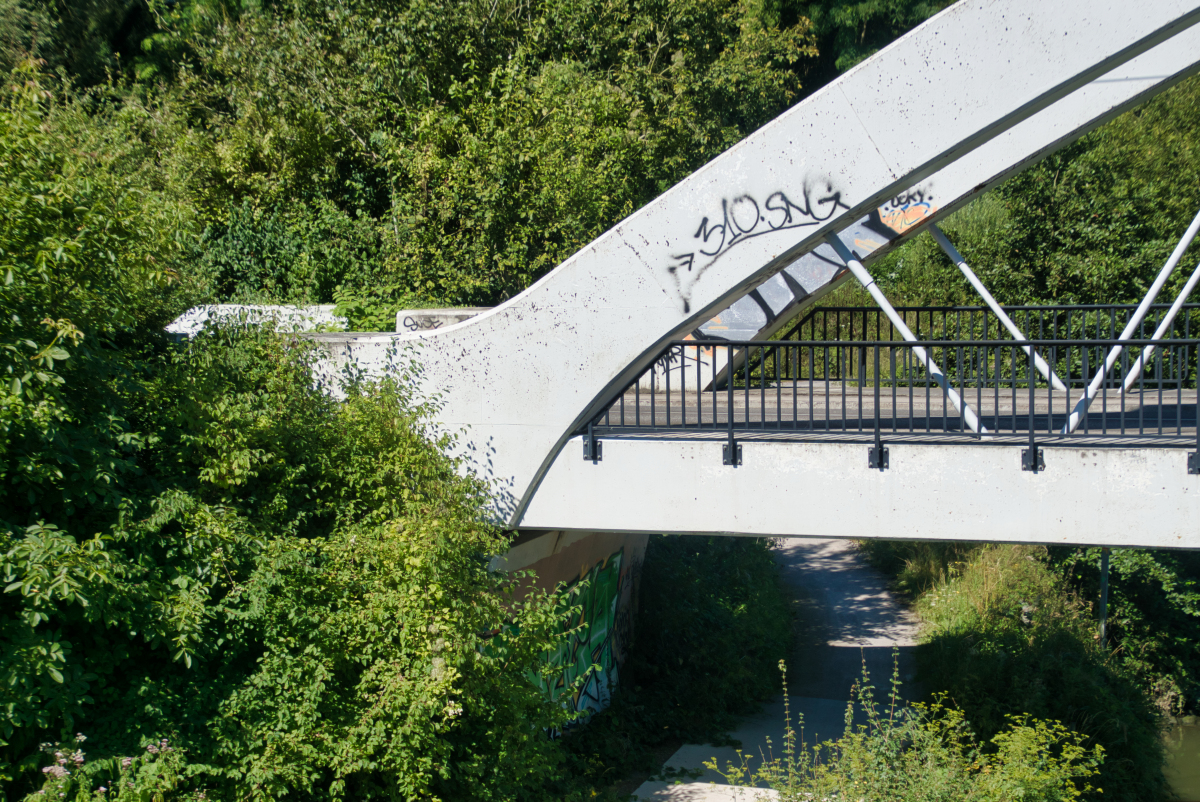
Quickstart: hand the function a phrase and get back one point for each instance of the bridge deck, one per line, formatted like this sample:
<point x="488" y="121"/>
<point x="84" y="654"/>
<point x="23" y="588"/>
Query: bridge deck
<point x="838" y="411"/>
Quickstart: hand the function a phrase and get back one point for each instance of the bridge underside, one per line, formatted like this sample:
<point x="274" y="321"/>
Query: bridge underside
<point x="1084" y="496"/>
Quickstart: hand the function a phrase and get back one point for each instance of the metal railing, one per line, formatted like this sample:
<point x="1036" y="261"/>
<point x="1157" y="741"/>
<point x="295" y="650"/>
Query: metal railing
<point x="863" y="389"/>
<point x="1076" y="322"/>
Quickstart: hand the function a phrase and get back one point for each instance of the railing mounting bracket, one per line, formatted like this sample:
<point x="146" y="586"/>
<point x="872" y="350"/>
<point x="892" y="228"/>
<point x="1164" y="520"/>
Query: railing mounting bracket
<point x="593" y="449"/>
<point x="1194" y="463"/>
<point x="734" y="458"/>
<point x="877" y="457"/>
<point x="1033" y="459"/>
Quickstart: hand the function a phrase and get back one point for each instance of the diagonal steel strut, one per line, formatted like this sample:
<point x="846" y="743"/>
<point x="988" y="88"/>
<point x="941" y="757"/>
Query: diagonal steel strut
<point x="956" y="257"/>
<point x="868" y="283"/>
<point x="1090" y="392"/>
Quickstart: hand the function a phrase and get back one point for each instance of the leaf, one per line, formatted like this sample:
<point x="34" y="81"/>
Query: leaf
<point x="55" y="674"/>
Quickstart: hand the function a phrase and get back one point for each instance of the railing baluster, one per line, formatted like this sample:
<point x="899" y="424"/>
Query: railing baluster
<point x="967" y="359"/>
<point x="653" y="396"/>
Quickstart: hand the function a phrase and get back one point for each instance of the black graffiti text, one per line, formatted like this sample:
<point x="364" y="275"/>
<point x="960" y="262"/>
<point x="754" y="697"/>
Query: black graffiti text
<point x="421" y="324"/>
<point x="743" y="217"/>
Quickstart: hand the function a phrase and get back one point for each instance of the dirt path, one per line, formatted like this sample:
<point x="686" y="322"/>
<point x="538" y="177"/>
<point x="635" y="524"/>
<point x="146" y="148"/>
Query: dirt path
<point x="848" y="616"/>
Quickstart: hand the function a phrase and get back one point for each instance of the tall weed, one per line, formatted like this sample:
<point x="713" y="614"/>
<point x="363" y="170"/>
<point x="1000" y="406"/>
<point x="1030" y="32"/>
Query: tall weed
<point x="921" y="752"/>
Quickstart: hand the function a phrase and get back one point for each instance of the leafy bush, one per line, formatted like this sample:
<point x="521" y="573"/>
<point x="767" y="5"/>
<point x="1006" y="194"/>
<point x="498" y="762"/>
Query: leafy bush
<point x="199" y="544"/>
<point x="1153" y="617"/>
<point x="924" y="752"/>
<point x="88" y="261"/>
<point x="452" y="153"/>
<point x="1006" y="636"/>
<point x="295" y="592"/>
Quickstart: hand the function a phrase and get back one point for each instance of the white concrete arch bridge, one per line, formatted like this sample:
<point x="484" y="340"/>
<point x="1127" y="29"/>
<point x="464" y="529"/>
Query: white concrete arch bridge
<point x="636" y="388"/>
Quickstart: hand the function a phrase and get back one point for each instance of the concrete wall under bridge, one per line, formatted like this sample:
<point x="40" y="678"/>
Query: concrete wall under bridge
<point x="611" y="566"/>
<point x="1093" y="496"/>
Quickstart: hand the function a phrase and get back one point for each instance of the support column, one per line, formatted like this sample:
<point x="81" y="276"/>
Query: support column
<point x="1104" y="597"/>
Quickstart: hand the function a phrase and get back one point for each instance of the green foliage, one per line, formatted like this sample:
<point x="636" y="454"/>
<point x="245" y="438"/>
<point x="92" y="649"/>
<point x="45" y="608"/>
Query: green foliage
<point x="1006" y="636"/>
<point x="916" y="566"/>
<point x="294" y="254"/>
<point x="303" y="601"/>
<point x="156" y="772"/>
<point x="85" y="38"/>
<point x="1153" y="617"/>
<point x="927" y="752"/>
<point x="459" y="152"/>
<point x="1153" y="631"/>
<point x="200" y="542"/>
<point x="713" y="623"/>
<point x="849" y="31"/>
<point x="86" y="260"/>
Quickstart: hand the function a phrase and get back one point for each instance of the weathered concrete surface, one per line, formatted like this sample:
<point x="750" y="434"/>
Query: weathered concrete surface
<point x="523" y="377"/>
<point x="1085" y="496"/>
<point x="849" y="620"/>
<point x="282" y="317"/>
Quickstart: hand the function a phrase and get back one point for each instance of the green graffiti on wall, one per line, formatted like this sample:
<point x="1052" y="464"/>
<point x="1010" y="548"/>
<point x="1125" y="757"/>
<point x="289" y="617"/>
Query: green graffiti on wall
<point x="596" y="644"/>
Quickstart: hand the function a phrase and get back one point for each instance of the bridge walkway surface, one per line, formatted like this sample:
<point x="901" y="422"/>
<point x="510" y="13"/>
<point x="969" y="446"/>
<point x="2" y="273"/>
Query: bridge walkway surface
<point x="844" y="411"/>
<point x="847" y="617"/>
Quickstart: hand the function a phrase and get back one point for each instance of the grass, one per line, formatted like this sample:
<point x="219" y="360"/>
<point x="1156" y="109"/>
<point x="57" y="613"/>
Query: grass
<point x="1005" y="635"/>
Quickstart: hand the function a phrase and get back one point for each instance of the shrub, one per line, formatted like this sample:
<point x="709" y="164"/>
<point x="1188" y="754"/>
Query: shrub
<point x="1006" y="637"/>
<point x="926" y="752"/>
<point x="303" y="606"/>
<point x="1153" y="617"/>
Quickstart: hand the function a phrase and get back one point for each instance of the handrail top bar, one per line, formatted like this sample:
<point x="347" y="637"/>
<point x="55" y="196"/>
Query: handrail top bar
<point x="706" y="343"/>
<point x="1019" y="307"/>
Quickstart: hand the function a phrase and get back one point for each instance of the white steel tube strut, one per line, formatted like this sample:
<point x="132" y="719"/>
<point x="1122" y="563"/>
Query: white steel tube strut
<point x="1089" y="393"/>
<point x="868" y="283"/>
<point x="1136" y="370"/>
<point x="956" y="257"/>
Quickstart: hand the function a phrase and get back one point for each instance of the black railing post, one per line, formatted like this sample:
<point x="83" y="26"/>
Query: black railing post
<point x="732" y="451"/>
<point x="592" y="450"/>
<point x="1193" y="461"/>
<point x="1031" y="458"/>
<point x="1104" y="597"/>
<point x="877" y="457"/>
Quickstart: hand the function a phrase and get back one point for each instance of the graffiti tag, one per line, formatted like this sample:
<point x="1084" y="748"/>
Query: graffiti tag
<point x="599" y="637"/>
<point x="422" y="324"/>
<point x="742" y="218"/>
<point x="906" y="210"/>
